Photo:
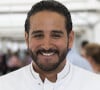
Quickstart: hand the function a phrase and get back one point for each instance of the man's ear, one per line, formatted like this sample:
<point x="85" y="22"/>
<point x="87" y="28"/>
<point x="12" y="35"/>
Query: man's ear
<point x="71" y="39"/>
<point x="26" y="38"/>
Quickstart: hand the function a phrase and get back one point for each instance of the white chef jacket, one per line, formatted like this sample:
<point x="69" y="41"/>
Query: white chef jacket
<point x="70" y="78"/>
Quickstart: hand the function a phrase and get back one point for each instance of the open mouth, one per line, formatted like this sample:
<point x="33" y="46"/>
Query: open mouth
<point x="49" y="52"/>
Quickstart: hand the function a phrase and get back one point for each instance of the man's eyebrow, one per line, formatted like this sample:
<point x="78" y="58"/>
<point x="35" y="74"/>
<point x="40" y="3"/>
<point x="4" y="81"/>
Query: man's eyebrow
<point x="36" y="32"/>
<point x="58" y="32"/>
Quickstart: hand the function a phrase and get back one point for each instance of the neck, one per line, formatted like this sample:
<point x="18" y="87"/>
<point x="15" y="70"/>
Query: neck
<point x="52" y="75"/>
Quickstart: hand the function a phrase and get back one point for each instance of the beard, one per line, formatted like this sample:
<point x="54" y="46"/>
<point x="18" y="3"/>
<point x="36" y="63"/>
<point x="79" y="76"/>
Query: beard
<point x="52" y="66"/>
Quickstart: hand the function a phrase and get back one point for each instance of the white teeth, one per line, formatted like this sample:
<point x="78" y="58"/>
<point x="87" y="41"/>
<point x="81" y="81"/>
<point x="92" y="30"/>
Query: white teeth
<point x="48" y="54"/>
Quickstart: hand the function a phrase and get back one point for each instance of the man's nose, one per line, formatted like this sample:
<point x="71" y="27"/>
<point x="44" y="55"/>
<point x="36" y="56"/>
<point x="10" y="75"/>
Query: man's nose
<point x="47" y="43"/>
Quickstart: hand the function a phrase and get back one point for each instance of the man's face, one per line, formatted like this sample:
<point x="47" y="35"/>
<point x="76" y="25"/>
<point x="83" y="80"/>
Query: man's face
<point x="47" y="41"/>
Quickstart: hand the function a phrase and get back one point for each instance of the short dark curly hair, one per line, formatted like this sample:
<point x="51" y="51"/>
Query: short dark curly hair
<point x="50" y="5"/>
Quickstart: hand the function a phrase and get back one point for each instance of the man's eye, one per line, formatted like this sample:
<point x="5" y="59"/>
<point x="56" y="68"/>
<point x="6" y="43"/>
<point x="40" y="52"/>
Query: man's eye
<point x="56" y="36"/>
<point x="38" y="36"/>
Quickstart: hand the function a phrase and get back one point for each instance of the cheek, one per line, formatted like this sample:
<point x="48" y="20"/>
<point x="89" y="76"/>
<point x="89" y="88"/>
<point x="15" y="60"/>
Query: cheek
<point x="61" y="44"/>
<point x="33" y="44"/>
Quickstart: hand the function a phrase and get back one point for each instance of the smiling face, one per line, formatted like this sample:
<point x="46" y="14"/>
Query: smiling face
<point x="47" y="40"/>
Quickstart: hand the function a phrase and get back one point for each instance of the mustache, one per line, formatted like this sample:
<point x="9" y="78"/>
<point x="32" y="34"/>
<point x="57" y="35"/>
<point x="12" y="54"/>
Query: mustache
<point x="42" y="50"/>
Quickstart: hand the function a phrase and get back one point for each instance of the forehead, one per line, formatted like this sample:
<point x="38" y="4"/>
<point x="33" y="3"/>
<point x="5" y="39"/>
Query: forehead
<point x="47" y="19"/>
<point x="46" y="13"/>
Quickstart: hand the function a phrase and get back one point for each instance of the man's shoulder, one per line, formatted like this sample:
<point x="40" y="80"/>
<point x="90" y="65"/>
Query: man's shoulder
<point x="15" y="75"/>
<point x="86" y="78"/>
<point x="20" y="79"/>
<point x="82" y="72"/>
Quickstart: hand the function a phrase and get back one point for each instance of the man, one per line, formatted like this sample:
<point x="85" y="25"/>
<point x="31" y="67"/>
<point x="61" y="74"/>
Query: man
<point x="83" y="44"/>
<point x="92" y="54"/>
<point x="48" y="34"/>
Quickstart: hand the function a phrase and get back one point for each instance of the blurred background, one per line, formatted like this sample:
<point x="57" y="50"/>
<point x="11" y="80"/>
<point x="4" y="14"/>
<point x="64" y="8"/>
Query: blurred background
<point x="86" y="25"/>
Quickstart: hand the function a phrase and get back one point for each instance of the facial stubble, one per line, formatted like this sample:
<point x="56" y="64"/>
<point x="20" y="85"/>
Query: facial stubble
<point x="53" y="66"/>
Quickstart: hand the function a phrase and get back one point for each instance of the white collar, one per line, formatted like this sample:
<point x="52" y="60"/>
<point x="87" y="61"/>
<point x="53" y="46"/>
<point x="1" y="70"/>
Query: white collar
<point x="34" y="74"/>
<point x="64" y="72"/>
